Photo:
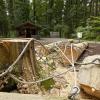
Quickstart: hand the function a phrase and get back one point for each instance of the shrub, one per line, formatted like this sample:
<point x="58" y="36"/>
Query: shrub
<point x="62" y="29"/>
<point x="98" y="38"/>
<point x="80" y="29"/>
<point x="89" y="36"/>
<point x="12" y="34"/>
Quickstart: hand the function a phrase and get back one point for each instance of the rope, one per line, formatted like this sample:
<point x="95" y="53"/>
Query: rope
<point x="39" y="81"/>
<point x="73" y="65"/>
<point x="41" y="44"/>
<point x="64" y="54"/>
<point x="75" y="89"/>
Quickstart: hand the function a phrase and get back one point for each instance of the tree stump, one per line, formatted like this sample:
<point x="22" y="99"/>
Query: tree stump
<point x="10" y="49"/>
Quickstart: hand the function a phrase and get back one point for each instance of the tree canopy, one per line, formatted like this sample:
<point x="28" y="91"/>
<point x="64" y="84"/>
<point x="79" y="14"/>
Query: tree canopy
<point x="49" y="14"/>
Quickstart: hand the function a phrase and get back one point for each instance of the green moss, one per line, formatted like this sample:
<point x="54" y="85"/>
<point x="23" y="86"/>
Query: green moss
<point x="48" y="84"/>
<point x="98" y="38"/>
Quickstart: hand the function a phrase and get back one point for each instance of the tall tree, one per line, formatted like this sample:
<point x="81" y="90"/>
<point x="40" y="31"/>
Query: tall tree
<point x="50" y="4"/>
<point x="58" y="10"/>
<point x="3" y="19"/>
<point x="22" y="11"/>
<point x="11" y="12"/>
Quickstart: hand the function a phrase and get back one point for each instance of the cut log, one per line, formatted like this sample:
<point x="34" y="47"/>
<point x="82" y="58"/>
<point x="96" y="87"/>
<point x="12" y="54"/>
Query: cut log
<point x="50" y="48"/>
<point x="89" y="76"/>
<point x="77" y="49"/>
<point x="65" y="47"/>
<point x="10" y="49"/>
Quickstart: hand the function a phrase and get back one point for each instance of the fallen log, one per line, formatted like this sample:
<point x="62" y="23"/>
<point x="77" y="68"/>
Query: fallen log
<point x="89" y="76"/>
<point x="25" y="68"/>
<point x="50" y="48"/>
<point x="64" y="50"/>
<point x="77" y="50"/>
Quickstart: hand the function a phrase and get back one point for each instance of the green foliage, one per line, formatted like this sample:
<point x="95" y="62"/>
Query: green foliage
<point x="80" y="29"/>
<point x="22" y="11"/>
<point x="91" y="31"/>
<point x="65" y="31"/>
<point x="48" y="84"/>
<point x="58" y="11"/>
<point x="50" y="13"/>
<point x="11" y="10"/>
<point x="62" y="29"/>
<point x="89" y="36"/>
<point x="3" y="19"/>
<point x="12" y="34"/>
<point x="98" y="38"/>
<point x="93" y="28"/>
<point x="94" y="22"/>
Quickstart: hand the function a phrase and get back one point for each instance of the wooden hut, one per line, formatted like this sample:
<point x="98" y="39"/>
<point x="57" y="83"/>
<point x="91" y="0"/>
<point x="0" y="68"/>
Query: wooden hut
<point x="27" y="30"/>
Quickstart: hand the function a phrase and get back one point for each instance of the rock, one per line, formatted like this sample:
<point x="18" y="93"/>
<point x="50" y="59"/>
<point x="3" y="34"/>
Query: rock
<point x="89" y="76"/>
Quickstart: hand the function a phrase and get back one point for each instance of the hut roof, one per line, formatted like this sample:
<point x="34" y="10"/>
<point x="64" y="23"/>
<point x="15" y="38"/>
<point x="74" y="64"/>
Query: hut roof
<point x="28" y="25"/>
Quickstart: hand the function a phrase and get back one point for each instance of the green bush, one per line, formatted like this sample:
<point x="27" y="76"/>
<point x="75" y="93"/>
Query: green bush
<point x="80" y="29"/>
<point x="98" y="38"/>
<point x="91" y="30"/>
<point x="89" y="36"/>
<point x="45" y="32"/>
<point x="12" y="34"/>
<point x="63" y="30"/>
